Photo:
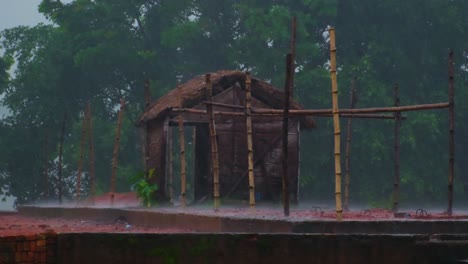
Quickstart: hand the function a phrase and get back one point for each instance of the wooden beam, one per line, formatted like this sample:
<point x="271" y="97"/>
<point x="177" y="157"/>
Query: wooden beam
<point x="285" y="175"/>
<point x="451" y="96"/>
<point x="396" y="152"/>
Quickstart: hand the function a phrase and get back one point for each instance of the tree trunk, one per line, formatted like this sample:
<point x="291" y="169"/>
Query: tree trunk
<point x="115" y="155"/>
<point x="451" y="94"/>
<point x="92" y="172"/>
<point x="60" y="180"/>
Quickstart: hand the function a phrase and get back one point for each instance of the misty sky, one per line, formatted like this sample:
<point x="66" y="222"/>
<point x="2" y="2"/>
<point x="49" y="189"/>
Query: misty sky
<point x="19" y="12"/>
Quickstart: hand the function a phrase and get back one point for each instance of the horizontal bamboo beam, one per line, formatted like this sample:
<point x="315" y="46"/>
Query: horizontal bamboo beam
<point x="364" y="116"/>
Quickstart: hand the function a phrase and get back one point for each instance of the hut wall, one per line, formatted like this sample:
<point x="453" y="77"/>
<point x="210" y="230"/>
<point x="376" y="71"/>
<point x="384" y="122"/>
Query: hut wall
<point x="157" y="132"/>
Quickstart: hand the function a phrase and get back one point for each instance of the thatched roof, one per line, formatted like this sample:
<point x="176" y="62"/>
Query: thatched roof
<point x="193" y="92"/>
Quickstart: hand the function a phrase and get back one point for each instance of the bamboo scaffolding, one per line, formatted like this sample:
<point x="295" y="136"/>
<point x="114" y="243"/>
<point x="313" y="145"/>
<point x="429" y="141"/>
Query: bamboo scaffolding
<point x="183" y="176"/>
<point x="60" y="180"/>
<point x="115" y="154"/>
<point x="92" y="171"/>
<point x="248" y="115"/>
<point x="81" y="156"/>
<point x="171" y="165"/>
<point x="451" y="95"/>
<point x="213" y="142"/>
<point x="274" y="112"/>
<point x="285" y="175"/>
<point x="352" y="104"/>
<point x="336" y="125"/>
<point x="396" y="149"/>
<point x="293" y="55"/>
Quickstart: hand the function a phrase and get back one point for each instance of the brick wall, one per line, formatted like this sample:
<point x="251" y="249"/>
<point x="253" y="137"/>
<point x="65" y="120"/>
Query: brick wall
<point x="40" y="249"/>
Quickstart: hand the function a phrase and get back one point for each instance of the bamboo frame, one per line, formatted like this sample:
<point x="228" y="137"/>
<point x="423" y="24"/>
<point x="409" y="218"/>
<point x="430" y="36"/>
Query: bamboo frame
<point x="285" y="175"/>
<point x="248" y="120"/>
<point x="451" y="95"/>
<point x="336" y="125"/>
<point x="115" y="153"/>
<point x="183" y="175"/>
<point x="92" y="171"/>
<point x="81" y="156"/>
<point x="60" y="180"/>
<point x="352" y="104"/>
<point x="396" y="155"/>
<point x="213" y="142"/>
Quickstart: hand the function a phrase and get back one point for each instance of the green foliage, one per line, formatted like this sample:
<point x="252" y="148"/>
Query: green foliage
<point x="143" y="187"/>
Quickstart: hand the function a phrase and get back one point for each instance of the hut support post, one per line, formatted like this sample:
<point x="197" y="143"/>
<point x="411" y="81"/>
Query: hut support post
<point x="396" y="154"/>
<point x="183" y="176"/>
<point x="451" y="95"/>
<point x="336" y="125"/>
<point x="285" y="175"/>
<point x="349" y="131"/>
<point x="80" y="159"/>
<point x="92" y="174"/>
<point x="115" y="154"/>
<point x="213" y="142"/>
<point x="60" y="180"/>
<point x="248" y="114"/>
<point x="170" y="162"/>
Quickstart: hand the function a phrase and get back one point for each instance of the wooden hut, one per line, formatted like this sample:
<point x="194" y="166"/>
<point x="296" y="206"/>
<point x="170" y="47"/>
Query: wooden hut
<point x="228" y="88"/>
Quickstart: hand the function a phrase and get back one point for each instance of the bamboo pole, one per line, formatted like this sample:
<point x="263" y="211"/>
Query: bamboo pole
<point x="352" y="103"/>
<point x="92" y="171"/>
<point x="60" y="180"/>
<point x="213" y="142"/>
<point x="248" y="115"/>
<point x="80" y="159"/>
<point x="285" y="175"/>
<point x="396" y="150"/>
<point x="183" y="175"/>
<point x="171" y="165"/>
<point x="293" y="55"/>
<point x="451" y="95"/>
<point x="336" y="125"/>
<point x="356" y="110"/>
<point x="115" y="154"/>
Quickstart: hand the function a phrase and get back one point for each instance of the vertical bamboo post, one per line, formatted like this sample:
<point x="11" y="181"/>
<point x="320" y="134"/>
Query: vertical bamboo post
<point x="336" y="125"/>
<point x="353" y="101"/>
<point x="115" y="154"/>
<point x="80" y="158"/>
<point x="293" y="55"/>
<point x="451" y="95"/>
<point x="396" y="149"/>
<point x="248" y="114"/>
<point x="46" y="165"/>
<point x="213" y="142"/>
<point x="285" y="175"/>
<point x="170" y="162"/>
<point x="60" y="180"/>
<point x="92" y="172"/>
<point x="183" y="175"/>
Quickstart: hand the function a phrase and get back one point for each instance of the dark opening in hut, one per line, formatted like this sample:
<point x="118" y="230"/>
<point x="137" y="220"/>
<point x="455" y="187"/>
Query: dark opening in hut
<point x="228" y="88"/>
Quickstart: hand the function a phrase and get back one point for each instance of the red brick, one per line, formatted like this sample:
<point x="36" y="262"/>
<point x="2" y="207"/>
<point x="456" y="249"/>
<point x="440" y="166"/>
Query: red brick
<point x="31" y="237"/>
<point x="41" y="243"/>
<point x="32" y="246"/>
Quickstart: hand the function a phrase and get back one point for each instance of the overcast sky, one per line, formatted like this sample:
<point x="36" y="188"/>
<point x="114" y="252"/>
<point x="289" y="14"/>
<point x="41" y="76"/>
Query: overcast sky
<point x="19" y="12"/>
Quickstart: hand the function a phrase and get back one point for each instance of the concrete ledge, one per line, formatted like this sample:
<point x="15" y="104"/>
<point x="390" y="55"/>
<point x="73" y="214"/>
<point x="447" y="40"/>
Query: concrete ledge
<point x="219" y="223"/>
